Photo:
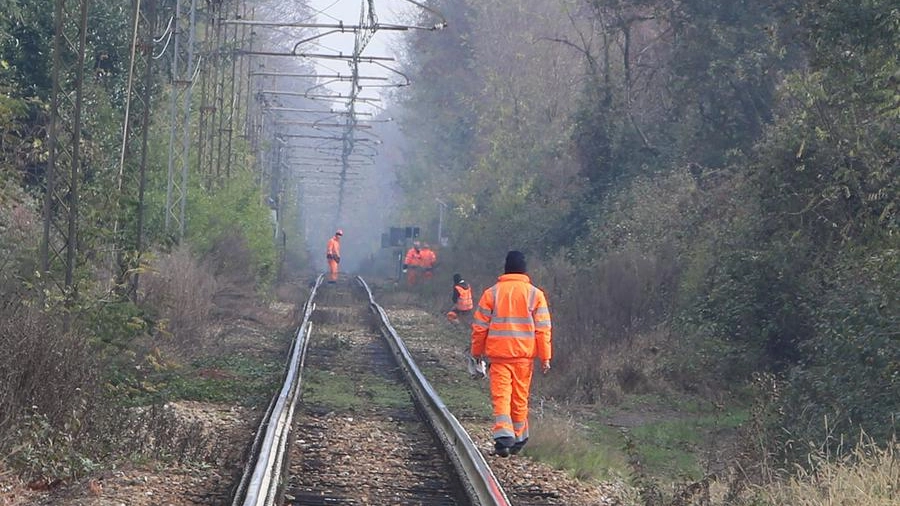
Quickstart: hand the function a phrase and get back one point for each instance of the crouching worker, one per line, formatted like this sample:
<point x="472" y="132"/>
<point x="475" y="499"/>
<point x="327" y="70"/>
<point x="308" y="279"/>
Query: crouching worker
<point x="511" y="326"/>
<point x="462" y="300"/>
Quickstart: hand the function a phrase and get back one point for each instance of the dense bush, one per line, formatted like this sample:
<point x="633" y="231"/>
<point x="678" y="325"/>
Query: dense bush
<point x="849" y="376"/>
<point x="44" y="370"/>
<point x="179" y="290"/>
<point x="234" y="211"/>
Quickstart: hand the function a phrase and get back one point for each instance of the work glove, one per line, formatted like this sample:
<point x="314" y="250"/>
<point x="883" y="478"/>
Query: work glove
<point x="545" y="366"/>
<point x="477" y="368"/>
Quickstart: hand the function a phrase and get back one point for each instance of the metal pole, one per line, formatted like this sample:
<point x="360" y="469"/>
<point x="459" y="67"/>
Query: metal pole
<point x="187" y="117"/>
<point x="440" y="235"/>
<point x="64" y="164"/>
<point x="149" y="24"/>
<point x="173" y="116"/>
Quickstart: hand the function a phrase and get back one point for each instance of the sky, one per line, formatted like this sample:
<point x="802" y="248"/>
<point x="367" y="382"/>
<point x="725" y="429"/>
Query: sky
<point x="382" y="44"/>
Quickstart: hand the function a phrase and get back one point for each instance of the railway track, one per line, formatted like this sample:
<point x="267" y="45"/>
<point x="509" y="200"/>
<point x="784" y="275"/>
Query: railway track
<point x="357" y="423"/>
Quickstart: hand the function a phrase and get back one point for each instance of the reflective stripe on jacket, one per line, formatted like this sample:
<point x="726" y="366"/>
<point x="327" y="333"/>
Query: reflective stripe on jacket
<point x="512" y="321"/>
<point x="463" y="298"/>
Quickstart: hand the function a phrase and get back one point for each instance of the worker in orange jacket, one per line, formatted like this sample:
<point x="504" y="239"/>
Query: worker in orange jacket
<point x="511" y="327"/>
<point x="429" y="260"/>
<point x="333" y="255"/>
<point x="412" y="263"/>
<point x="462" y="300"/>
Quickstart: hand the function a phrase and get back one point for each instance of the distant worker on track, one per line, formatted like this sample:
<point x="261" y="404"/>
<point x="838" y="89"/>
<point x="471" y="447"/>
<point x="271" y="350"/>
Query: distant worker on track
<point x="429" y="261"/>
<point x="333" y="255"/>
<point x="462" y="300"/>
<point x="412" y="263"/>
<point x="511" y="326"/>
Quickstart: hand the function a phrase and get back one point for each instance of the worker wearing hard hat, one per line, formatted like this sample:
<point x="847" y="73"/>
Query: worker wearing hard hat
<point x="333" y="255"/>
<point x="412" y="263"/>
<point x="511" y="327"/>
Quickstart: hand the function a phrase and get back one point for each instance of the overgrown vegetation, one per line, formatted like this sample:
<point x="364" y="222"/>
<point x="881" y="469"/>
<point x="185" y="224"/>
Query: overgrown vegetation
<point x="88" y="368"/>
<point x="707" y="191"/>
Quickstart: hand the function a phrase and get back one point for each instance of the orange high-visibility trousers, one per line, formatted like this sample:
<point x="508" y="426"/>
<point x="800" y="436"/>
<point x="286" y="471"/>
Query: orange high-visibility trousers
<point x="332" y="270"/>
<point x="412" y="275"/>
<point x="510" y="386"/>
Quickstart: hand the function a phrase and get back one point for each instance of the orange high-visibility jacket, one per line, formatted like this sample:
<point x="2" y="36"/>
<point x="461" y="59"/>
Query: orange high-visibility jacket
<point x="429" y="258"/>
<point x="413" y="258"/>
<point x="333" y="250"/>
<point x="512" y="322"/>
<point x="463" y="297"/>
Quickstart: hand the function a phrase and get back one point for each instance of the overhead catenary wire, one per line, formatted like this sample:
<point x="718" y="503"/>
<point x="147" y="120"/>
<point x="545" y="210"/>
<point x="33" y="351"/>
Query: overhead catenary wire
<point x="348" y="144"/>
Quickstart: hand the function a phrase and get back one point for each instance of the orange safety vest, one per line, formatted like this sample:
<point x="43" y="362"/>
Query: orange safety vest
<point x="464" y="298"/>
<point x="512" y="322"/>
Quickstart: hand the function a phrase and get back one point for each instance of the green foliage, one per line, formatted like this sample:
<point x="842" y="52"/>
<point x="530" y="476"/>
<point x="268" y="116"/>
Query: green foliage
<point x="236" y="208"/>
<point x="26" y="37"/>
<point x="829" y="184"/>
<point x="47" y="451"/>
<point x="857" y="324"/>
<point x="229" y="379"/>
<point x="45" y="361"/>
<point x="113" y="325"/>
<point x="722" y="76"/>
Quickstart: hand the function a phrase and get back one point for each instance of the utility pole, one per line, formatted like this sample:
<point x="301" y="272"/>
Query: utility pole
<point x="132" y="180"/>
<point x="183" y="75"/>
<point x="440" y="234"/>
<point x="59" y="244"/>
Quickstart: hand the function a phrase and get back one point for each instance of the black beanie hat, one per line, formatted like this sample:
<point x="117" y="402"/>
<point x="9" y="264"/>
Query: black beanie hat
<point x="515" y="263"/>
<point x="457" y="278"/>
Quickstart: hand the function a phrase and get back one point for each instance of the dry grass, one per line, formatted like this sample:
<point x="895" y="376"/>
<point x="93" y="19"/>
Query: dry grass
<point x="44" y="368"/>
<point x="180" y="289"/>
<point x="561" y="442"/>
<point x="867" y="476"/>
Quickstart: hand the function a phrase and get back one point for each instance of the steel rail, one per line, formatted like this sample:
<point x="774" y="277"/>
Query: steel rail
<point x="263" y="480"/>
<point x="479" y="481"/>
<point x="263" y="486"/>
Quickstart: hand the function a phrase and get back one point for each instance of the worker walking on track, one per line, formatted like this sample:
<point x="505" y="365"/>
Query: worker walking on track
<point x="333" y="255"/>
<point x="462" y="300"/>
<point x="511" y="326"/>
